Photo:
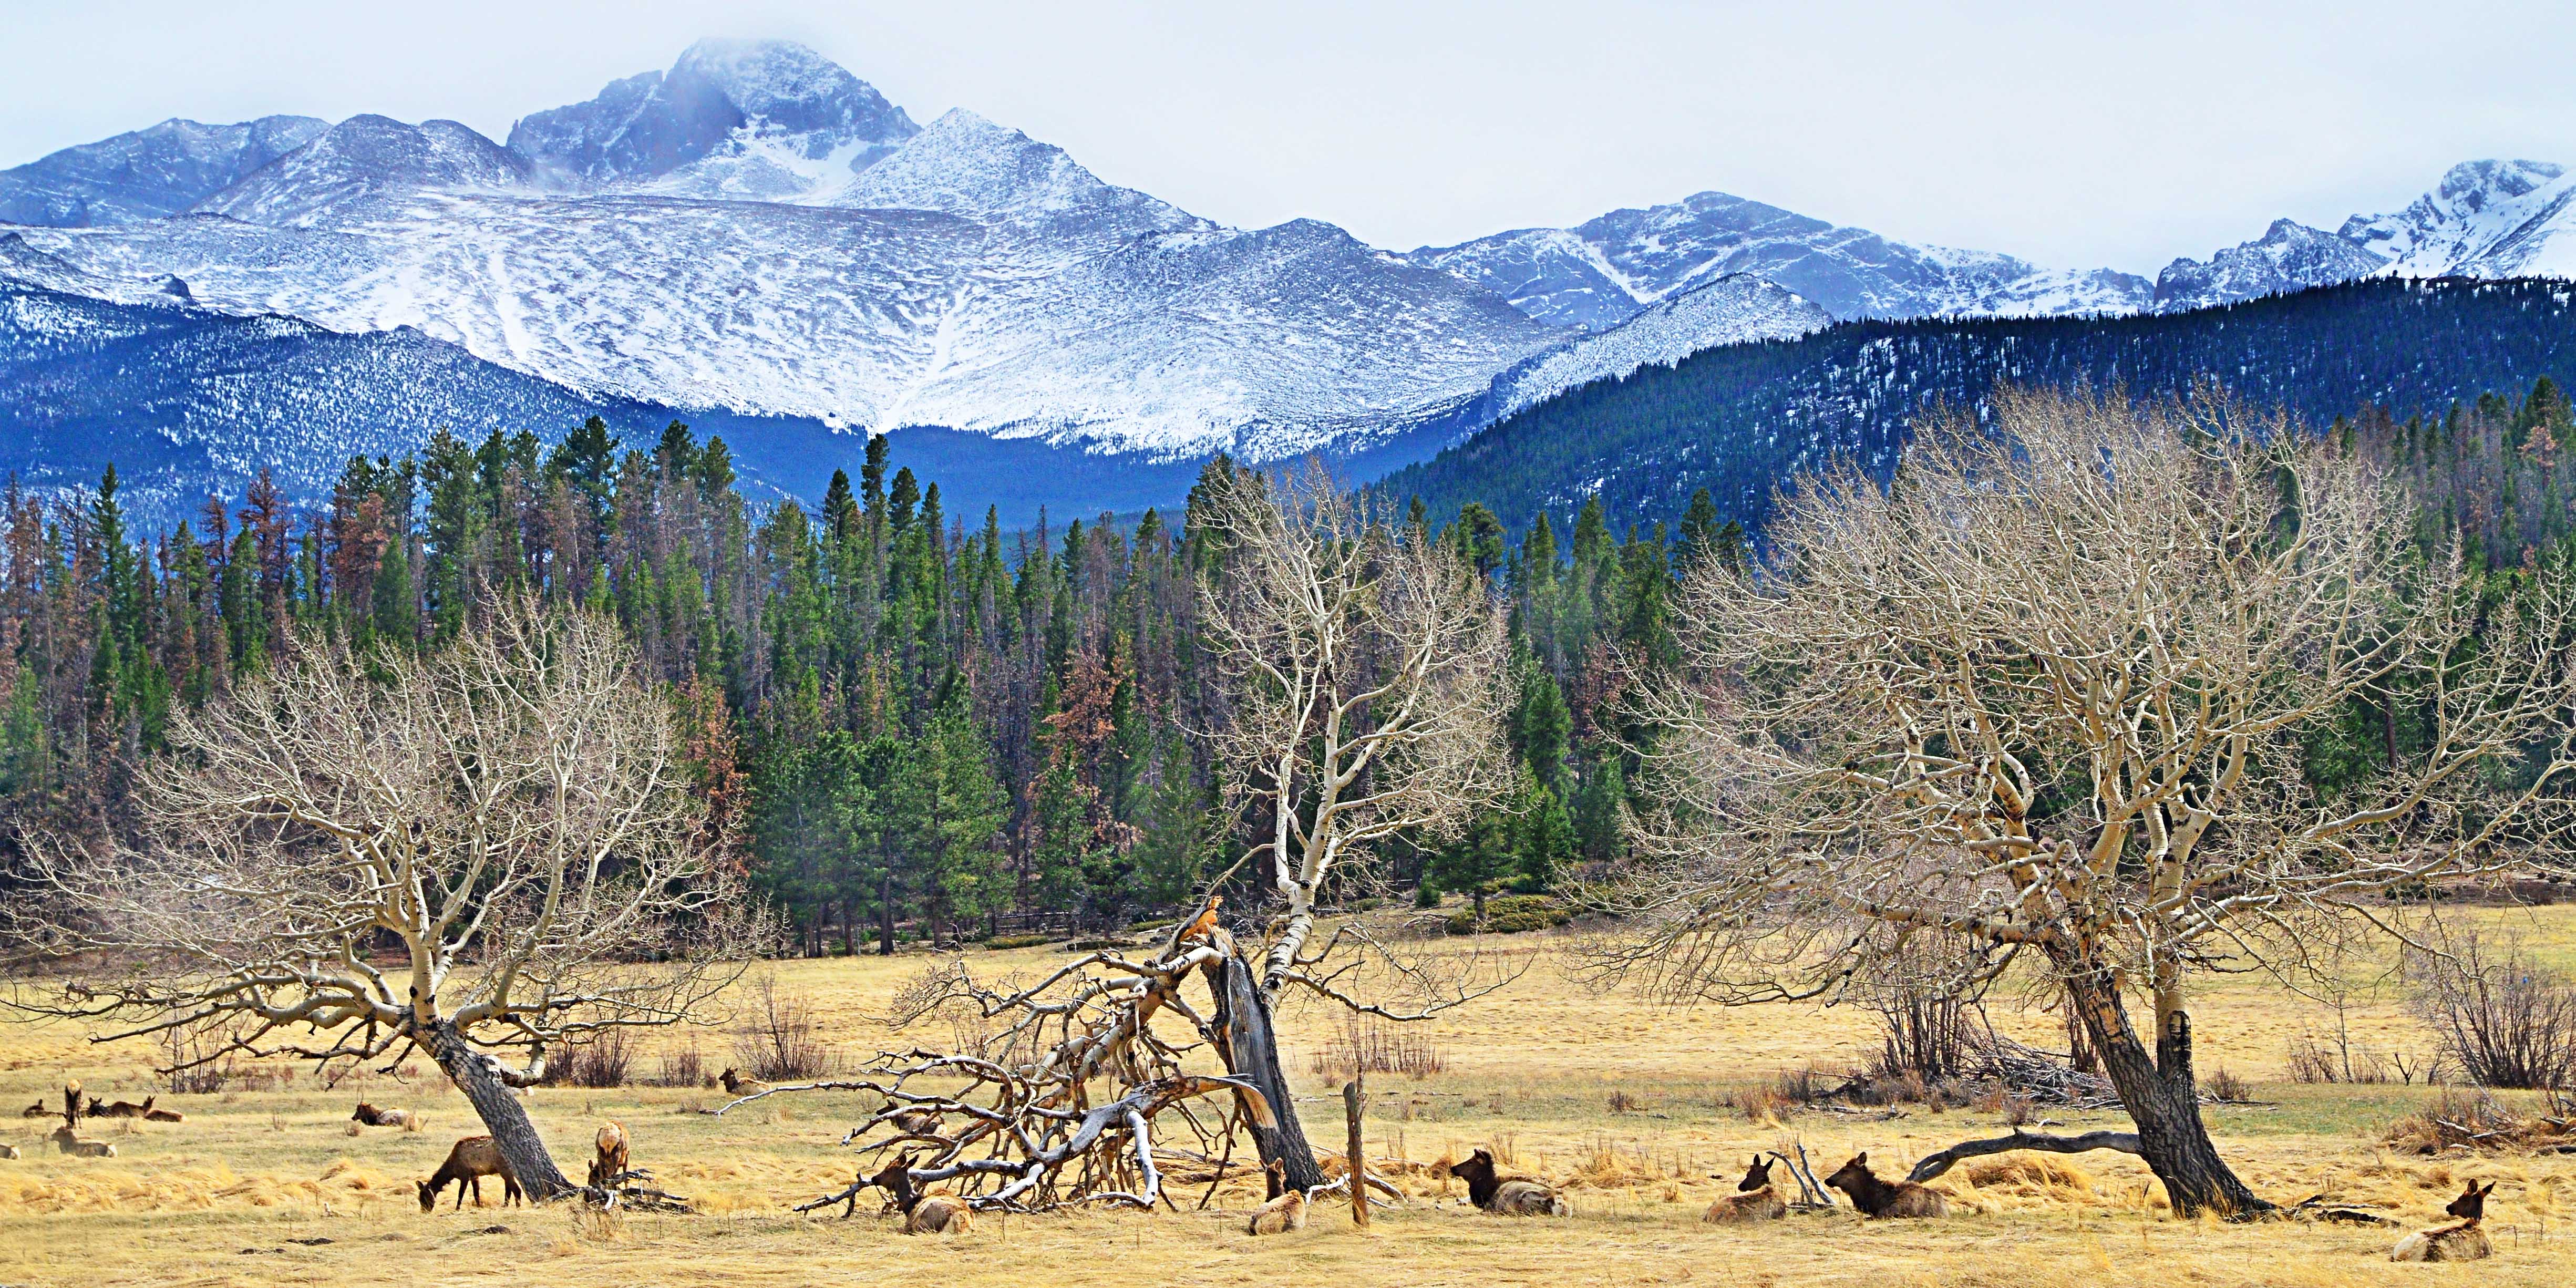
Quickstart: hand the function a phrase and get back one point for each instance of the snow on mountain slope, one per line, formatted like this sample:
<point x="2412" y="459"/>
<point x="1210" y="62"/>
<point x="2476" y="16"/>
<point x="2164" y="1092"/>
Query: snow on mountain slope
<point x="1053" y="305"/>
<point x="2485" y="219"/>
<point x="356" y="168"/>
<point x="1730" y="310"/>
<point x="2287" y="257"/>
<point x="147" y="173"/>
<point x="757" y="120"/>
<point x="1601" y="272"/>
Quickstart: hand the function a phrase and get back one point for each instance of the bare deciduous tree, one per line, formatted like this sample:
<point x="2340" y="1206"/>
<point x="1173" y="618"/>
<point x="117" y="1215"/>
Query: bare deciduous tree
<point x="2048" y="694"/>
<point x="1363" y="682"/>
<point x="507" y="820"/>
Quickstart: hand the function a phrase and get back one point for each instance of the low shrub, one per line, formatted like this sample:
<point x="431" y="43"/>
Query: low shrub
<point x="1004" y="943"/>
<point x="1511" y="914"/>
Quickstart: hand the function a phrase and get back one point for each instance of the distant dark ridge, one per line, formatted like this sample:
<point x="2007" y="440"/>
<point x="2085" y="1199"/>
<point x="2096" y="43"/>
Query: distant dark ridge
<point x="1740" y="419"/>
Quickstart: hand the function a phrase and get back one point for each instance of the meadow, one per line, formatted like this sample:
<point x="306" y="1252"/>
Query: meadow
<point x="1629" y="1105"/>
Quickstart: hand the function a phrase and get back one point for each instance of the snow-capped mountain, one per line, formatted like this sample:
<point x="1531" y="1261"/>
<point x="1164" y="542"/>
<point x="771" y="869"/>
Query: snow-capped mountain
<point x="1602" y="272"/>
<point x="961" y="275"/>
<point x="2287" y="257"/>
<point x="2485" y="219"/>
<point x="757" y="120"/>
<point x="366" y="166"/>
<point x="758" y="233"/>
<point x="1664" y="332"/>
<point x="147" y="173"/>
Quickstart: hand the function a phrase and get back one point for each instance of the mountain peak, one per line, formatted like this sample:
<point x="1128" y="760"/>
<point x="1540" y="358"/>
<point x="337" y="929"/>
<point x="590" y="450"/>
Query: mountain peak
<point x="761" y="105"/>
<point x="967" y="165"/>
<point x="2473" y="185"/>
<point x="367" y="156"/>
<point x="147" y="173"/>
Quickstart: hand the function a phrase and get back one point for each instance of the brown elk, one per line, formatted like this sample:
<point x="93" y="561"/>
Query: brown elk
<point x="611" y="1163"/>
<point x="8" y="1152"/>
<point x="1877" y="1198"/>
<point x="922" y="1213"/>
<point x="70" y="1142"/>
<point x="911" y="1122"/>
<point x="164" y="1116"/>
<point x="473" y="1158"/>
<point x="122" y="1108"/>
<point x="370" y="1116"/>
<point x="2463" y="1241"/>
<point x="1506" y="1195"/>
<point x="36" y="1110"/>
<point x="1755" y="1198"/>
<point x="735" y="1084"/>
<point x="1280" y="1215"/>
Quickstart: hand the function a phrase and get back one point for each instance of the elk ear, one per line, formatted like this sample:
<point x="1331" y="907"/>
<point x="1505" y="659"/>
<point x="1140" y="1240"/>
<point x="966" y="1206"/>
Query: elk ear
<point x="1861" y="1157"/>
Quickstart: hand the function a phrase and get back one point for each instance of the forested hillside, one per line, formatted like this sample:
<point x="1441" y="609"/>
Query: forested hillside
<point x="910" y="722"/>
<point x="1739" y="420"/>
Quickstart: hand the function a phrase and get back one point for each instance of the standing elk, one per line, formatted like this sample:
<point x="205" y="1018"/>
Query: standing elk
<point x="473" y="1158"/>
<point x="1755" y="1199"/>
<point x="1877" y="1198"/>
<point x="1506" y="1195"/>
<point x="922" y="1213"/>
<point x="2461" y="1242"/>
<point x="611" y="1163"/>
<point x="70" y="1142"/>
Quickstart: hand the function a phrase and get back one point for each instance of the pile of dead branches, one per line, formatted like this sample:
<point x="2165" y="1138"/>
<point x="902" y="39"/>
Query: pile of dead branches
<point x="2476" y="1120"/>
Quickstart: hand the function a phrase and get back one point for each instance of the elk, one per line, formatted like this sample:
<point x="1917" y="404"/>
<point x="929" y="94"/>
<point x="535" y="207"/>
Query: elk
<point x="922" y="1213"/>
<point x="164" y="1116"/>
<point x="473" y="1158"/>
<point x="611" y="1163"/>
<point x="121" y="1109"/>
<point x="1755" y="1198"/>
<point x="36" y="1110"/>
<point x="70" y="1142"/>
<point x="1506" y="1195"/>
<point x="735" y="1084"/>
<point x="8" y="1152"/>
<point x="368" y="1115"/>
<point x="1280" y="1215"/>
<point x="2461" y="1242"/>
<point x="1877" y="1198"/>
<point x="911" y="1122"/>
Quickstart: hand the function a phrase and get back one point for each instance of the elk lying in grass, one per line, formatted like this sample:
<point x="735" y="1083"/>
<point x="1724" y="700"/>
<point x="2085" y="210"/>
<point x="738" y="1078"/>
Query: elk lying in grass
<point x="36" y="1110"/>
<point x="922" y="1213"/>
<point x="1506" y="1195"/>
<point x="736" y="1084"/>
<point x="1280" y="1215"/>
<point x="70" y="1142"/>
<point x="2462" y="1241"/>
<point x="368" y="1115"/>
<point x="473" y="1158"/>
<point x="8" y="1152"/>
<point x="1878" y="1198"/>
<point x="164" y="1116"/>
<point x="1755" y="1198"/>
<point x="611" y="1163"/>
<point x="121" y="1109"/>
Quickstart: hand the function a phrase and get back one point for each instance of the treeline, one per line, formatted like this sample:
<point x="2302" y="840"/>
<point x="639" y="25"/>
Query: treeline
<point x="917" y="725"/>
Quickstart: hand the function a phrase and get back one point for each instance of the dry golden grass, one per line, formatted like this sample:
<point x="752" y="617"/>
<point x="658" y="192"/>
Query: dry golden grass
<point x="248" y="1190"/>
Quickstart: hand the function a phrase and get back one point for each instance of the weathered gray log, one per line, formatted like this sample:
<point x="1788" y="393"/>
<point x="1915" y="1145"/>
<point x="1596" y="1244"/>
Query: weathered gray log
<point x="1935" y="1164"/>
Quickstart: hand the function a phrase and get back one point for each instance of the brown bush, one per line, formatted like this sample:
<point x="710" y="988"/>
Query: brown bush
<point x="776" y="1041"/>
<point x="2503" y="1019"/>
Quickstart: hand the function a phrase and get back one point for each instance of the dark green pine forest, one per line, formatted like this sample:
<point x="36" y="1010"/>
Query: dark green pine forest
<point x="1735" y="421"/>
<point x="914" y="724"/>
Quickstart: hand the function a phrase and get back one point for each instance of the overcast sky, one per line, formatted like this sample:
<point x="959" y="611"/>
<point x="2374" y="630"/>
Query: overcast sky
<point x="2054" y="132"/>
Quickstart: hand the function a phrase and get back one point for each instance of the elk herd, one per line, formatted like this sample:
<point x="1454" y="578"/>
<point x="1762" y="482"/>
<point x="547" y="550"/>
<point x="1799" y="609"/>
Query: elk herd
<point x="1756" y="1197"/>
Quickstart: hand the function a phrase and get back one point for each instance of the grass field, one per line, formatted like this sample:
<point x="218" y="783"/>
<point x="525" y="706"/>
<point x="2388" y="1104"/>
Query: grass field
<point x="266" y="1187"/>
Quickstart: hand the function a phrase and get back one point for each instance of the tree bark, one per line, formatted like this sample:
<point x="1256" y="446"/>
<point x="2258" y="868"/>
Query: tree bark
<point x="1353" y="1099"/>
<point x="885" y="915"/>
<point x="2163" y="1099"/>
<point x="479" y="1077"/>
<point x="1251" y="1050"/>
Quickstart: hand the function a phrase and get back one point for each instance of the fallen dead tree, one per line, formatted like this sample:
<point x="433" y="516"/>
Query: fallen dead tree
<point x="1935" y="1164"/>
